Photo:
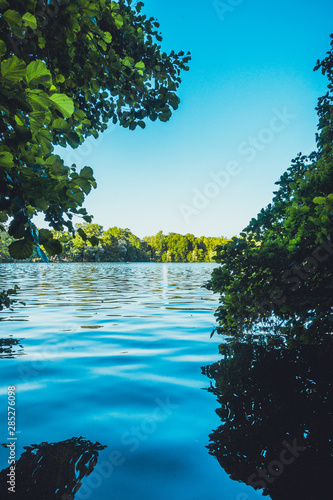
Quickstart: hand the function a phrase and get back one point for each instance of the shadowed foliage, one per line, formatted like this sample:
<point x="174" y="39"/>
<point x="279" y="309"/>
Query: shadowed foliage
<point x="53" y="470"/>
<point x="276" y="410"/>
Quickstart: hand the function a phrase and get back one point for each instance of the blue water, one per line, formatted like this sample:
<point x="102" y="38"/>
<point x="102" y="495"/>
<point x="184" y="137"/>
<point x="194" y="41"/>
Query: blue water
<point x="113" y="353"/>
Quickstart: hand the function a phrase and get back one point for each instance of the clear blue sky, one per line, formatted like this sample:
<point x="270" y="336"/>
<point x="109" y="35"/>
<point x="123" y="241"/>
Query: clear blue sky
<point x="247" y="108"/>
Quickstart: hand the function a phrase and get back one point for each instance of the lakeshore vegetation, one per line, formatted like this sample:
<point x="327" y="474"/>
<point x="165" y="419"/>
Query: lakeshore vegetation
<point x="276" y="276"/>
<point x="121" y="245"/>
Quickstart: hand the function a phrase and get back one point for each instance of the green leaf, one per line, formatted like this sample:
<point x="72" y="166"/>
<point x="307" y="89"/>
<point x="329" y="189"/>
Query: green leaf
<point x="87" y="173"/>
<point x="13" y="69"/>
<point x="38" y="74"/>
<point x="44" y="236"/>
<point x="13" y="19"/>
<point x="41" y="42"/>
<point x="140" y="65"/>
<point x="38" y="100"/>
<point x="174" y="100"/>
<point x="60" y="78"/>
<point x="4" y="4"/>
<point x="42" y="204"/>
<point x="29" y="20"/>
<point x="19" y="120"/>
<point x="94" y="133"/>
<point x="44" y="137"/>
<point x="17" y="226"/>
<point x="84" y="184"/>
<point x="64" y="104"/>
<point x="118" y="19"/>
<point x="3" y="49"/>
<point x="50" y="160"/>
<point x="82" y="234"/>
<point x="319" y="200"/>
<point x="79" y="114"/>
<point x="53" y="247"/>
<point x="164" y="117"/>
<point x="21" y="249"/>
<point x="102" y="44"/>
<point x="60" y="124"/>
<point x="114" y="6"/>
<point x="94" y="241"/>
<point x="37" y="121"/>
<point x="57" y="168"/>
<point x="24" y="135"/>
<point x="4" y="217"/>
<point x="128" y="61"/>
<point x="77" y="196"/>
<point x="72" y="138"/>
<point x="107" y="37"/>
<point x="6" y="159"/>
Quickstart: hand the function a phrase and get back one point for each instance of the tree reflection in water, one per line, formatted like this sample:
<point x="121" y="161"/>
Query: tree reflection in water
<point x="276" y="408"/>
<point x="10" y="348"/>
<point x="53" y="470"/>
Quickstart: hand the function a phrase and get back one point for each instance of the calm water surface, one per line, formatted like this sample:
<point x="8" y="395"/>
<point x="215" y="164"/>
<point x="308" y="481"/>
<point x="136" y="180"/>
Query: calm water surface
<point x="106" y="360"/>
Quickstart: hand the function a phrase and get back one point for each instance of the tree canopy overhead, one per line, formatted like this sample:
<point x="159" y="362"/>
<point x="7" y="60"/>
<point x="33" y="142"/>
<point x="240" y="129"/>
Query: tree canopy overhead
<point x="277" y="275"/>
<point x="67" y="68"/>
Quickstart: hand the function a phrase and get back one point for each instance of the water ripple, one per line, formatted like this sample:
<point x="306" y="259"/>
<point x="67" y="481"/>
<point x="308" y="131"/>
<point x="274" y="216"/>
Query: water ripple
<point x="109" y="349"/>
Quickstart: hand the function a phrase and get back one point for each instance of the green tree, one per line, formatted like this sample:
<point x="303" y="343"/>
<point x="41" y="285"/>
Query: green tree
<point x="5" y="241"/>
<point x="66" y="71"/>
<point x="175" y="247"/>
<point x="156" y="245"/>
<point x="278" y="274"/>
<point x="84" y="245"/>
<point x="130" y="247"/>
<point x="92" y="244"/>
<point x="111" y="247"/>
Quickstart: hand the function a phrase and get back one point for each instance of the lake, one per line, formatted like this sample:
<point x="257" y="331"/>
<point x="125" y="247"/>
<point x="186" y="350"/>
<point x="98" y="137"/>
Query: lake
<point x="111" y="395"/>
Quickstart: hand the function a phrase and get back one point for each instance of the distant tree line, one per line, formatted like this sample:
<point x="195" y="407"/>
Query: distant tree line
<point x="92" y="244"/>
<point x="175" y="247"/>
